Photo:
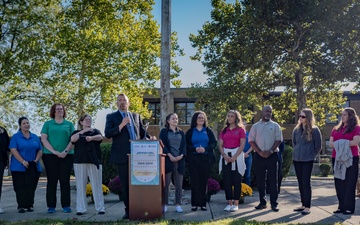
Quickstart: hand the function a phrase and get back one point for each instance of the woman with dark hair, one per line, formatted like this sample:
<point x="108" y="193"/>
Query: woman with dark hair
<point x="87" y="163"/>
<point x="344" y="139"/>
<point x="307" y="141"/>
<point x="231" y="145"/>
<point x="25" y="167"/>
<point x="4" y="158"/>
<point x="201" y="142"/>
<point x="58" y="156"/>
<point x="174" y="147"/>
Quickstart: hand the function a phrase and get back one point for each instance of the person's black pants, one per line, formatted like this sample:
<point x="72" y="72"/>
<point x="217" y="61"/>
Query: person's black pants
<point x="123" y="171"/>
<point x="199" y="171"/>
<point x="345" y="189"/>
<point x="2" y="168"/>
<point x="58" y="169"/>
<point x="303" y="175"/>
<point x="24" y="186"/>
<point x="232" y="181"/>
<point x="266" y="169"/>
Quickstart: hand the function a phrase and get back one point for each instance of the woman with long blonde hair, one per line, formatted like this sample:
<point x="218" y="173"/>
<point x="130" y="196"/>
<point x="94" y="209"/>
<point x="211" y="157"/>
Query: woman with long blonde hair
<point x="307" y="141"/>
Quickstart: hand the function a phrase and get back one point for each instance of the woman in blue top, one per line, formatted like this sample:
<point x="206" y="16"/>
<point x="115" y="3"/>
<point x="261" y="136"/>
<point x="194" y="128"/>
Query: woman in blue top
<point x="173" y="142"/>
<point x="25" y="167"/>
<point x="200" y="141"/>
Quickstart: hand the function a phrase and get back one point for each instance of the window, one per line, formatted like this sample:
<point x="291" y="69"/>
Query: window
<point x="185" y="111"/>
<point x="155" y="113"/>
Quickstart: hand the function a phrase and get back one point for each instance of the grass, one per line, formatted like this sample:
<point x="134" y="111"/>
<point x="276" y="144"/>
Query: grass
<point x="160" y="222"/>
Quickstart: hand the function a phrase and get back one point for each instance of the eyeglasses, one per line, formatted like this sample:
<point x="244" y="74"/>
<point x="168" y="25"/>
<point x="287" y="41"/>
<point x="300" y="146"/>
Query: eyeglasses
<point x="301" y="116"/>
<point x="59" y="109"/>
<point x="200" y="118"/>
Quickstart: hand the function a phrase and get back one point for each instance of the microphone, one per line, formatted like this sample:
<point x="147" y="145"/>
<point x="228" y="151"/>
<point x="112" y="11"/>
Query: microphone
<point x="127" y="115"/>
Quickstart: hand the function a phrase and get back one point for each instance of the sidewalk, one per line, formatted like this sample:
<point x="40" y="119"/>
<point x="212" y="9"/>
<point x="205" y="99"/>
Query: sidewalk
<point x="324" y="202"/>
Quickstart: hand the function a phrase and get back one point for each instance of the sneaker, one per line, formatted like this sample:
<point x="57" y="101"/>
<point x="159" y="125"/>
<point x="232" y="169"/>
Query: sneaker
<point x="79" y="213"/>
<point x="101" y="212"/>
<point x="179" y="209"/>
<point x="30" y="209"/>
<point x="165" y="208"/>
<point x="51" y="210"/>
<point x="228" y="208"/>
<point x="234" y="208"/>
<point x="66" y="209"/>
<point x="1" y="211"/>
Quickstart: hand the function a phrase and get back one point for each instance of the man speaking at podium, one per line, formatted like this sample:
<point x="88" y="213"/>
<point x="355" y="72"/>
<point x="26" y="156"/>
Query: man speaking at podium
<point x="123" y="126"/>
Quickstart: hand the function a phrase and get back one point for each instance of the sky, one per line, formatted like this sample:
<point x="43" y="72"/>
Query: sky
<point x="187" y="17"/>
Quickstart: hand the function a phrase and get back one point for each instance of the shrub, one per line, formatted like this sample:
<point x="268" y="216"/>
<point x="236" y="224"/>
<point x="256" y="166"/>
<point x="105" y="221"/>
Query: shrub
<point x="213" y="187"/>
<point x="115" y="186"/>
<point x="287" y="160"/>
<point x="324" y="169"/>
<point x="246" y="190"/>
<point x="109" y="169"/>
<point x="89" y="193"/>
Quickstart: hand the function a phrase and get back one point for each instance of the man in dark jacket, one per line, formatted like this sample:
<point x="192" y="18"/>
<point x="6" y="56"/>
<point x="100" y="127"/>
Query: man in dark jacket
<point x="4" y="158"/>
<point x="123" y="126"/>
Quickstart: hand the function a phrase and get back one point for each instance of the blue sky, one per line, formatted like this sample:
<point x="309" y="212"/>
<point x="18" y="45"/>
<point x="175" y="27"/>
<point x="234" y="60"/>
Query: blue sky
<point x="187" y="17"/>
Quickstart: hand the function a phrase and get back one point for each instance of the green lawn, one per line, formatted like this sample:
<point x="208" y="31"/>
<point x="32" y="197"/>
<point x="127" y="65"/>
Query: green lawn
<point x="160" y="222"/>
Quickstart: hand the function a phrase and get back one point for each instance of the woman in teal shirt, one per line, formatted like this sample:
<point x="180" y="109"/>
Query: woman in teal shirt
<point x="25" y="168"/>
<point x="58" y="157"/>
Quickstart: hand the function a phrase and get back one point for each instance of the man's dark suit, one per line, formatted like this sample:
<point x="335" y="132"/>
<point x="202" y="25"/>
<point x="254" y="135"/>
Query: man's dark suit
<point x="120" y="148"/>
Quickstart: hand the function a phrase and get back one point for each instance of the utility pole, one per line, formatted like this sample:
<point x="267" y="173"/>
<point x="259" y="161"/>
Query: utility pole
<point x="165" y="60"/>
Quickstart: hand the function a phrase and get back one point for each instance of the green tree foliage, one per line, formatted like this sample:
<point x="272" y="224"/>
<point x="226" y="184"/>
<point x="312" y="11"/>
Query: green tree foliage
<point x="251" y="47"/>
<point x="81" y="53"/>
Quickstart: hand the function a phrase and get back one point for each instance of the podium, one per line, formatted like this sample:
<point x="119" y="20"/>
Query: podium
<point x="146" y="180"/>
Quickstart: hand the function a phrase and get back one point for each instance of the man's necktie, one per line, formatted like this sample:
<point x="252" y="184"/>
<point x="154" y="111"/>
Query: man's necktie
<point x="130" y="126"/>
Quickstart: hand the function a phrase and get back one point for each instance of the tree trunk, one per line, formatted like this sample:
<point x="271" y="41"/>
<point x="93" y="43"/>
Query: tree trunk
<point x="300" y="93"/>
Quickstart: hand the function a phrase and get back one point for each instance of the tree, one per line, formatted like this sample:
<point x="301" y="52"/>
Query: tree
<point x="92" y="51"/>
<point x="304" y="46"/>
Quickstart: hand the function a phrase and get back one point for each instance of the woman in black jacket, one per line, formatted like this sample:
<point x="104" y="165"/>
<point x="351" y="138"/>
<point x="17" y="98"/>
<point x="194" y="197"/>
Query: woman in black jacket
<point x="174" y="146"/>
<point x="200" y="141"/>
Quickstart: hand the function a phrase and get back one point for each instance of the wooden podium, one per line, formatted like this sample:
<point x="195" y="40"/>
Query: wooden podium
<point x="146" y="180"/>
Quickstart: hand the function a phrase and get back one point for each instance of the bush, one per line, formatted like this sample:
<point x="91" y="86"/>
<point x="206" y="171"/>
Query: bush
<point x="287" y="160"/>
<point x="324" y="169"/>
<point x="109" y="169"/>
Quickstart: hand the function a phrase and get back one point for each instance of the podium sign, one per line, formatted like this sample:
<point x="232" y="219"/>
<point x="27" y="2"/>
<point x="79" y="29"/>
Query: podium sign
<point x="145" y="163"/>
<point x="146" y="180"/>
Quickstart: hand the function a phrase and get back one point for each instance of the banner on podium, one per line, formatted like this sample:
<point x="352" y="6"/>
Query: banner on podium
<point x="145" y="163"/>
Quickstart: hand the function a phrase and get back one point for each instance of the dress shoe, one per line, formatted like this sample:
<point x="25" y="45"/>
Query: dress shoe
<point x="79" y="213"/>
<point x="194" y="208"/>
<point x="338" y="211"/>
<point x="299" y="209"/>
<point x="21" y="210"/>
<point x="260" y="206"/>
<point x="275" y="208"/>
<point x="347" y="212"/>
<point x="30" y="209"/>
<point x="203" y="208"/>
<point x="126" y="216"/>
<point x="101" y="212"/>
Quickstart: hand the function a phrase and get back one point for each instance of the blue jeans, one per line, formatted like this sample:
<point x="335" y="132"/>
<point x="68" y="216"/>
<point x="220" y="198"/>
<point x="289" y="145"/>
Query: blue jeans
<point x="247" y="175"/>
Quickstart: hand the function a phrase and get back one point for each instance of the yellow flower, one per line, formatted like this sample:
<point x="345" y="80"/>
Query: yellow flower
<point x="246" y="190"/>
<point x="105" y="190"/>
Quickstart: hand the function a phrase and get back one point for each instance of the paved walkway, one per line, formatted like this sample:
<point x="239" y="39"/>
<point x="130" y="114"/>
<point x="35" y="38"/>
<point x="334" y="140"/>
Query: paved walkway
<point x="323" y="204"/>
